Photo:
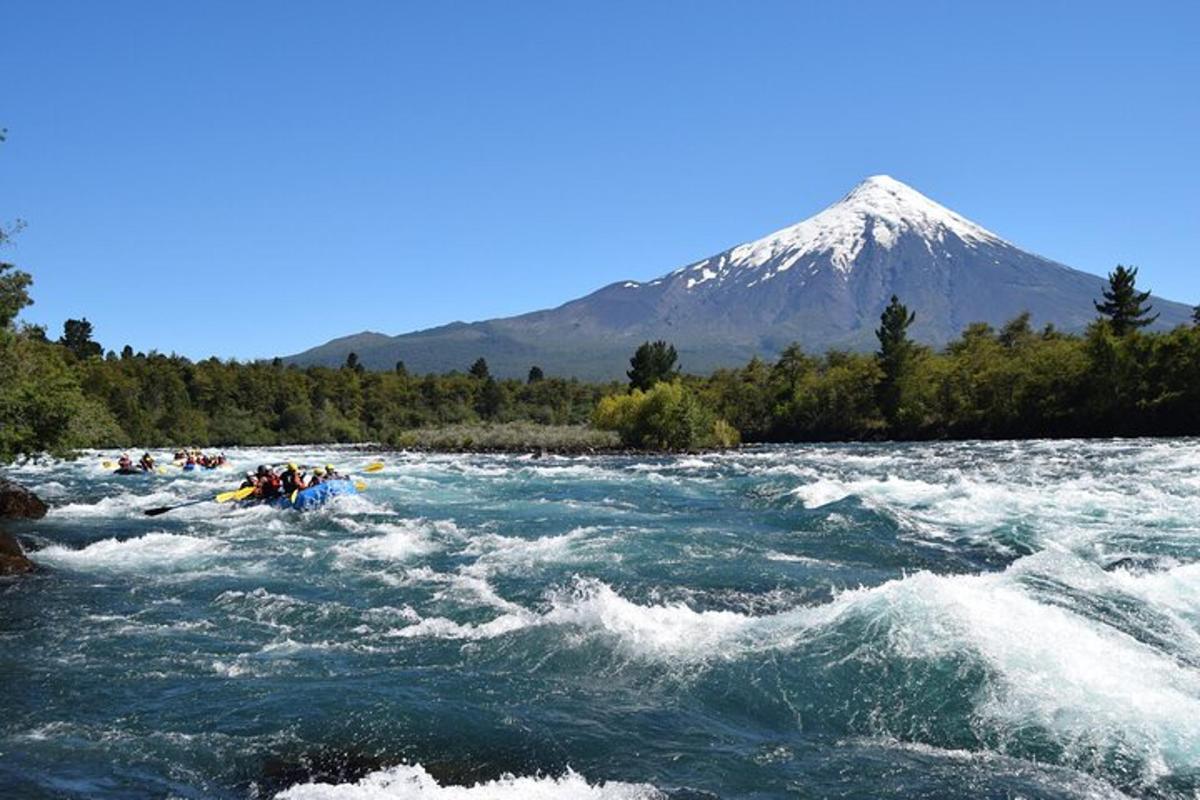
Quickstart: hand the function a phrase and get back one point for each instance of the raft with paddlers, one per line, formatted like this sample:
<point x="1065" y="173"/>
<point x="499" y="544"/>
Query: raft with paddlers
<point x="312" y="497"/>
<point x="127" y="466"/>
<point x="266" y="488"/>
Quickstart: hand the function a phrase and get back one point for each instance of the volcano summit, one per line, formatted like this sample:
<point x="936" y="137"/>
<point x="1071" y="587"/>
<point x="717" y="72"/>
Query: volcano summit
<point x="821" y="282"/>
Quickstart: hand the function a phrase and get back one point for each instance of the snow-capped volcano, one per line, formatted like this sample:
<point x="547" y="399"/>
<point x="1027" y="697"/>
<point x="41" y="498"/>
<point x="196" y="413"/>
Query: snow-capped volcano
<point x="821" y="282"/>
<point x="880" y="209"/>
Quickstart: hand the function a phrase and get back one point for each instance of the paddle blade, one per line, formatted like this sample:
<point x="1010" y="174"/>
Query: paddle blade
<point x="360" y="486"/>
<point x="378" y="465"/>
<point x="106" y="464"/>
<point x="236" y="494"/>
<point x="154" y="512"/>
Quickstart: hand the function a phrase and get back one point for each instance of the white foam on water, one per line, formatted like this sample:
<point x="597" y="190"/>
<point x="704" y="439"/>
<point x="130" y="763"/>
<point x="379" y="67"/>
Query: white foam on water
<point x="398" y="541"/>
<point x="414" y="783"/>
<point x="153" y="552"/>
<point x="1176" y="589"/>
<point x="122" y="505"/>
<point x="668" y="632"/>
<point x="443" y="628"/>
<point x="512" y="554"/>
<point x="1098" y="691"/>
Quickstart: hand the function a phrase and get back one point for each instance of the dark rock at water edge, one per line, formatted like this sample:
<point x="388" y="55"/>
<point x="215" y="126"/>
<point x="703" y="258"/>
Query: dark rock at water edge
<point x="12" y="557"/>
<point x="18" y="502"/>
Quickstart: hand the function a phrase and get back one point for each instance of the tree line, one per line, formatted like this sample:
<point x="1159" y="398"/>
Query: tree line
<point x="1114" y="379"/>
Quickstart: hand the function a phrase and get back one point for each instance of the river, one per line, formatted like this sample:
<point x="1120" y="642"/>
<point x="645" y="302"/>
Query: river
<point x="870" y="621"/>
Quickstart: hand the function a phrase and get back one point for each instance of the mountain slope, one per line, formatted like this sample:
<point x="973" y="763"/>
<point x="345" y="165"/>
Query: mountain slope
<point x="822" y="282"/>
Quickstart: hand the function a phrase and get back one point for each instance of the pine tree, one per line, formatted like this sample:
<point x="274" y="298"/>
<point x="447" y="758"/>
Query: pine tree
<point x="535" y="374"/>
<point x="480" y="369"/>
<point x="77" y="337"/>
<point x="491" y="399"/>
<point x="894" y="356"/>
<point x="653" y="362"/>
<point x="401" y="369"/>
<point x="1123" y="303"/>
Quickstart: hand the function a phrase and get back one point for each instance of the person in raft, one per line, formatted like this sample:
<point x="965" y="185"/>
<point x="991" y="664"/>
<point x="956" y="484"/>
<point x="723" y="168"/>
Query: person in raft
<point x="269" y="484"/>
<point x="146" y="462"/>
<point x="124" y="462"/>
<point x="293" y="479"/>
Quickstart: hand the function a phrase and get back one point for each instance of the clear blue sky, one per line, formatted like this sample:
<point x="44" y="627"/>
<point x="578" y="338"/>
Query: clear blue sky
<point x="252" y="178"/>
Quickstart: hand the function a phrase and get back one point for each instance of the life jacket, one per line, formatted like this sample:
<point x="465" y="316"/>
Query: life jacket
<point x="292" y="481"/>
<point x="271" y="486"/>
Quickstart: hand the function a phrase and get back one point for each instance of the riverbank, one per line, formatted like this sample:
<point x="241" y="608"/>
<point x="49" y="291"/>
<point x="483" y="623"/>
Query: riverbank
<point x="512" y="437"/>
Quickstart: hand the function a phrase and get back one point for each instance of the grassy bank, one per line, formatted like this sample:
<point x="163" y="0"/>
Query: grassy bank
<point x="509" y="437"/>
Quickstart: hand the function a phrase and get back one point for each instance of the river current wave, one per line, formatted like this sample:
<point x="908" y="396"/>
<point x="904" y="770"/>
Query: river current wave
<point x="927" y="620"/>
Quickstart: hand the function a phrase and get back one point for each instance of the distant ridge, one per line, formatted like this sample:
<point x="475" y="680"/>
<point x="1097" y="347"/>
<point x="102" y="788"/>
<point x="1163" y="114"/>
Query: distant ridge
<point x="821" y="282"/>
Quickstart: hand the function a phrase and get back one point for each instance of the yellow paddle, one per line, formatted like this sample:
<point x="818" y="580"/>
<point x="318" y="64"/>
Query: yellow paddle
<point x="378" y="465"/>
<point x="236" y="494"/>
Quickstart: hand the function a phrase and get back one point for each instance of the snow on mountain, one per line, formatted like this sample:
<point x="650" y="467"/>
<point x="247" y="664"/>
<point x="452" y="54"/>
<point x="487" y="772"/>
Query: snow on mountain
<point x="879" y="209"/>
<point x="821" y="282"/>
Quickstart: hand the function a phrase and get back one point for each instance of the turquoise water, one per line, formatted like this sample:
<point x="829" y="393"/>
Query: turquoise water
<point x="936" y="620"/>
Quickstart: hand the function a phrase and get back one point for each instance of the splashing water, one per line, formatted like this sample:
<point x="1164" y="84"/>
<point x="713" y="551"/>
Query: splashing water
<point x="940" y="620"/>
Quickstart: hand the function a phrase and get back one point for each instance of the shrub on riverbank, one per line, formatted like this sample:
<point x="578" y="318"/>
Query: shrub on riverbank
<point x="667" y="417"/>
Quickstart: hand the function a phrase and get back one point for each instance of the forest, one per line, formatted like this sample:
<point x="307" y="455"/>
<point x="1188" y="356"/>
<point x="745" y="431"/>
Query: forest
<point x="1115" y="379"/>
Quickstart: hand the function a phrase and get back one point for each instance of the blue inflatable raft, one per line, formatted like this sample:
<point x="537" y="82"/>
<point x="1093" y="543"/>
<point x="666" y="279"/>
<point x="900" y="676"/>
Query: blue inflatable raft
<point x="315" y="496"/>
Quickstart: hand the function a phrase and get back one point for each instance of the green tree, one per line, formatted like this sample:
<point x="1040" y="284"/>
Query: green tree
<point x="535" y="374"/>
<point x="651" y="363"/>
<point x="668" y="417"/>
<point x="479" y="370"/>
<point x="895" y="356"/>
<point x="1124" y="306"/>
<point x="14" y="292"/>
<point x="353" y="364"/>
<point x="1017" y="331"/>
<point x="401" y="370"/>
<point x="41" y="406"/>
<point x="77" y="338"/>
<point x="491" y="399"/>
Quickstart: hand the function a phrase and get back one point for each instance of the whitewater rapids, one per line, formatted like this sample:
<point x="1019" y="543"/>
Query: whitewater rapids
<point x="938" y="620"/>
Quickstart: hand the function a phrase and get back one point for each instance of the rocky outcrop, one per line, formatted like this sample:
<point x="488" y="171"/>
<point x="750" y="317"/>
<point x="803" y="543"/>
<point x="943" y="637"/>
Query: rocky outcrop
<point x="12" y="557"/>
<point x="16" y="502"/>
<point x="19" y="503"/>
